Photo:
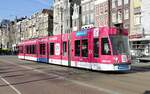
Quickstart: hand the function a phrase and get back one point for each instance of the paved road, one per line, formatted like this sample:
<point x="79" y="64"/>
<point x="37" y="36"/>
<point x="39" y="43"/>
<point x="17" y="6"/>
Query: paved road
<point x="26" y="77"/>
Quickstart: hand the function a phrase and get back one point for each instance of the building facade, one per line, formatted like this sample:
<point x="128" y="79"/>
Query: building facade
<point x="5" y="33"/>
<point x="145" y="15"/>
<point x="87" y="14"/>
<point x="76" y="17"/>
<point x="140" y="32"/>
<point x="120" y="13"/>
<point x="66" y="17"/>
<point x="38" y="25"/>
<point x="58" y="17"/>
<point x="101" y="13"/>
<point x="135" y="22"/>
<point x="42" y="23"/>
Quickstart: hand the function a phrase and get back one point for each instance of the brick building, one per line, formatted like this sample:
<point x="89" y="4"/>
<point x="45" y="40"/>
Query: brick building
<point x="120" y="13"/>
<point x="101" y="13"/>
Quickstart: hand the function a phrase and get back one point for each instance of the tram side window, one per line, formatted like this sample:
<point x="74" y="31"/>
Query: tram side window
<point x="77" y="48"/>
<point x="85" y="48"/>
<point x="42" y="49"/>
<point x="51" y="48"/>
<point x="32" y="49"/>
<point x="96" y="47"/>
<point x="64" y="48"/>
<point x="105" y="47"/>
<point x="27" y="49"/>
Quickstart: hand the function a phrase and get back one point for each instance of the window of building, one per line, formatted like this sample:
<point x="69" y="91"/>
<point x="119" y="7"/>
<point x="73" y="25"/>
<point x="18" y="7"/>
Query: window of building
<point x="101" y="9"/>
<point x="64" y="48"/>
<point x="113" y="3"/>
<point x="105" y="47"/>
<point x="77" y="48"/>
<point x="126" y="2"/>
<point x="83" y="19"/>
<point x="92" y="18"/>
<point x="83" y="8"/>
<point x="119" y="16"/>
<point x="119" y="2"/>
<point x="51" y="48"/>
<point x="75" y="23"/>
<point x="87" y="19"/>
<point x="92" y="6"/>
<point x="67" y="22"/>
<point x="96" y="47"/>
<point x="126" y="14"/>
<point x="87" y="6"/>
<point x="137" y="19"/>
<point x="114" y="17"/>
<point x="85" y="48"/>
<point x="105" y="19"/>
<point x="97" y="9"/>
<point x="42" y="49"/>
<point x="105" y="7"/>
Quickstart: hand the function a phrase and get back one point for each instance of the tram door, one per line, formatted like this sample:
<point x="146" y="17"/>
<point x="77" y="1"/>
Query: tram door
<point x="95" y="49"/>
<point x="42" y="52"/>
<point x="81" y="52"/>
<point x="65" y="50"/>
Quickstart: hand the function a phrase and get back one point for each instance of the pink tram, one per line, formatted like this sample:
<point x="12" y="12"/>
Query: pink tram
<point x="103" y="48"/>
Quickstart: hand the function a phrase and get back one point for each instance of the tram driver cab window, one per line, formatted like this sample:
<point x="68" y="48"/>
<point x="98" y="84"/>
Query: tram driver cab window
<point x="105" y="47"/>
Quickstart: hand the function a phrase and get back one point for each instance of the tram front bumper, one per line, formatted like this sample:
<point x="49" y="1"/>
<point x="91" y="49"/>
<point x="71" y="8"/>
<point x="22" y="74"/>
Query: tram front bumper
<point x="122" y="67"/>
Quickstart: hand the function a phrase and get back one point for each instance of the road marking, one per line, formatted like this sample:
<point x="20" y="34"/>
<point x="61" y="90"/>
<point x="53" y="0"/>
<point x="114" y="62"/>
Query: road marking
<point x="61" y="77"/>
<point x="94" y="87"/>
<point x="11" y="86"/>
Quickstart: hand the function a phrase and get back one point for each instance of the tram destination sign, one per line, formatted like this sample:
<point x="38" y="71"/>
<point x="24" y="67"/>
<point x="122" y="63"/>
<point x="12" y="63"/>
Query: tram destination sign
<point x="81" y="33"/>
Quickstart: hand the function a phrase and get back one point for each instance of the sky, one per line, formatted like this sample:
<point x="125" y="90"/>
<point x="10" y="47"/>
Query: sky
<point x="9" y="9"/>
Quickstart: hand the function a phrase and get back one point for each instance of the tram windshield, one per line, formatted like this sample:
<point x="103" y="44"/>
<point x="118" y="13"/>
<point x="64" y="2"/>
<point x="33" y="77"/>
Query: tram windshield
<point x="120" y="44"/>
